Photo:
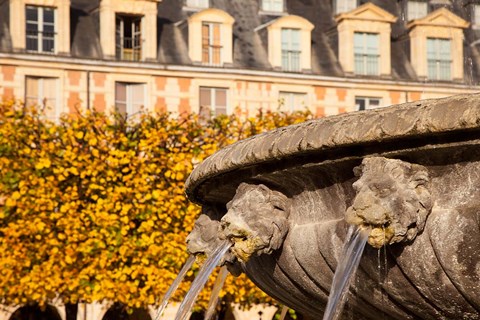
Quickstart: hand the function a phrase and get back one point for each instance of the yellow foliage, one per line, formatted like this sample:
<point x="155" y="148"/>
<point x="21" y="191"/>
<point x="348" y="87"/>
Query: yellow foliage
<point x="93" y="207"/>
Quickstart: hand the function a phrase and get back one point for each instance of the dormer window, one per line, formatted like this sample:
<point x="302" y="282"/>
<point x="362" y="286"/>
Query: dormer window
<point x="436" y="46"/>
<point x="294" y="34"/>
<point x="198" y="3"/>
<point x="123" y="29"/>
<point x="340" y="6"/>
<point x="215" y="45"/>
<point x="416" y="9"/>
<point x="291" y="49"/>
<point x="272" y="5"/>
<point x="364" y="40"/>
<point x="40" y="29"/>
<point x="128" y="37"/>
<point x="211" y="44"/>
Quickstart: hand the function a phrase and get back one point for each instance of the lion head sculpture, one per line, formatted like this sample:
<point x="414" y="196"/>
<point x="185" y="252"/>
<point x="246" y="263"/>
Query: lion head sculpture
<point x="392" y="198"/>
<point x="256" y="221"/>
<point x="203" y="239"/>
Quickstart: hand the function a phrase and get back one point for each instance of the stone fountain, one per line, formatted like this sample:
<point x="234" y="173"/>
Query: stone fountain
<point x="410" y="172"/>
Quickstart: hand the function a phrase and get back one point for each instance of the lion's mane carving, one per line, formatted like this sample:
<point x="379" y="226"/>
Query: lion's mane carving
<point x="256" y="220"/>
<point x="393" y="199"/>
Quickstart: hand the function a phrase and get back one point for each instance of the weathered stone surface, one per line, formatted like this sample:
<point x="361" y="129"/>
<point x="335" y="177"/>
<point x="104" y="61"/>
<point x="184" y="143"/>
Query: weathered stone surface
<point x="393" y="200"/>
<point x="426" y="153"/>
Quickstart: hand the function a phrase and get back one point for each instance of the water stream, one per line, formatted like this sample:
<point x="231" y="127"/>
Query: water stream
<point x="348" y="264"/>
<point x="222" y="275"/>
<point x="187" y="266"/>
<point x="200" y="280"/>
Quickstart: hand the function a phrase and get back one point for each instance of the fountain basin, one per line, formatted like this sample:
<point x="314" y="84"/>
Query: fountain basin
<point x="409" y="171"/>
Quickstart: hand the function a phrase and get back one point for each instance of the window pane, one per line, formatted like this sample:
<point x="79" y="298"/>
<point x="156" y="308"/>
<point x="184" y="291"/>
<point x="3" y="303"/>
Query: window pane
<point x="220" y="97"/>
<point x="476" y="14"/>
<point x="371" y="43"/>
<point x="48" y="45"/>
<point x="31" y="13"/>
<point x="360" y="104"/>
<point x="344" y="5"/>
<point x="120" y="92"/>
<point x="198" y="3"/>
<point x="48" y="15"/>
<point x="31" y="91"/>
<point x="205" y="97"/>
<point x="416" y="9"/>
<point x="285" y="39"/>
<point x="374" y="103"/>
<point x="138" y="93"/>
<point x="49" y="88"/>
<point x="444" y="49"/>
<point x="358" y="42"/>
<point x="295" y="38"/>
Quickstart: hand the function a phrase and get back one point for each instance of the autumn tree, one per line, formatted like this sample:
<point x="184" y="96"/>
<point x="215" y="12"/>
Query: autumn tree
<point x="92" y="207"/>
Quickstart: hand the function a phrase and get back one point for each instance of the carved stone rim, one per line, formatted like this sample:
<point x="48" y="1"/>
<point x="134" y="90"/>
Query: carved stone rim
<point x="408" y="120"/>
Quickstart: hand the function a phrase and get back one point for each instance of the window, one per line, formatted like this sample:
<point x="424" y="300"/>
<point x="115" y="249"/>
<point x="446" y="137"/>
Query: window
<point x="198" y="3"/>
<point x="129" y="97"/>
<point x="128" y="37"/>
<point x="40" y="29"/>
<point x="213" y="101"/>
<point x="340" y="6"/>
<point x="476" y="15"/>
<point x="291" y="49"/>
<point x="365" y="103"/>
<point x="439" y="59"/>
<point x="272" y="5"/>
<point x="366" y="50"/>
<point x="42" y="92"/>
<point x="211" y="48"/>
<point x="416" y="9"/>
<point x="292" y="101"/>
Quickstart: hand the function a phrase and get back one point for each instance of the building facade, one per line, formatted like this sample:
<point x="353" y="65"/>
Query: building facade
<point x="224" y="56"/>
<point x="330" y="56"/>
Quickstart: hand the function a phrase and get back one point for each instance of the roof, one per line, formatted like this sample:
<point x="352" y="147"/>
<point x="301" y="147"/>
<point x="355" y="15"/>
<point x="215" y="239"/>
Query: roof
<point x="250" y="47"/>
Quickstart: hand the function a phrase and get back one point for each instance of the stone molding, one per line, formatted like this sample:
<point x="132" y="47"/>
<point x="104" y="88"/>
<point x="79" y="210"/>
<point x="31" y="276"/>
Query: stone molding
<point x="414" y="119"/>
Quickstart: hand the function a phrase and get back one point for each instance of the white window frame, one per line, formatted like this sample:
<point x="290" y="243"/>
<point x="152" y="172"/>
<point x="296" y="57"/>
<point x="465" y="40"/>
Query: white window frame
<point x="197" y="3"/>
<point x="213" y="102"/>
<point x="273" y="5"/>
<point x="136" y="38"/>
<point x="437" y="63"/>
<point x="40" y="98"/>
<point x="368" y="102"/>
<point x="287" y="100"/>
<point x="370" y="63"/>
<point x="131" y="108"/>
<point x="341" y="6"/>
<point x="40" y="26"/>
<point x="211" y="43"/>
<point x="416" y="9"/>
<point x="291" y="56"/>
